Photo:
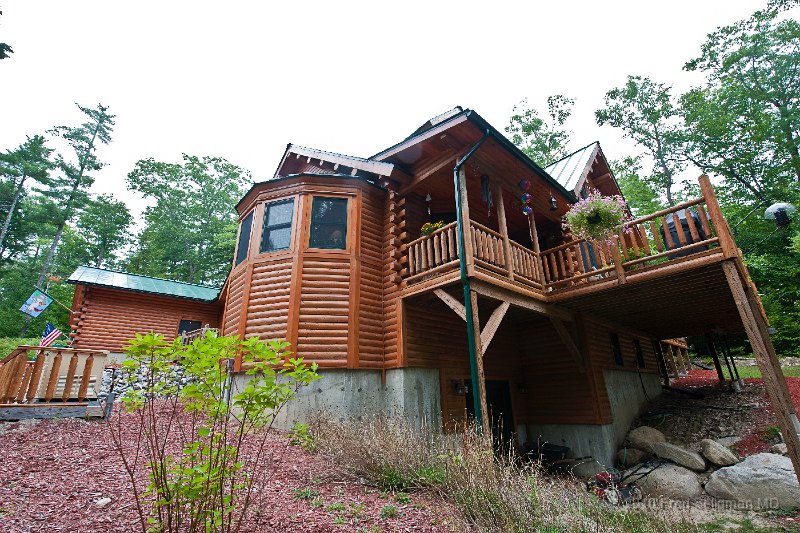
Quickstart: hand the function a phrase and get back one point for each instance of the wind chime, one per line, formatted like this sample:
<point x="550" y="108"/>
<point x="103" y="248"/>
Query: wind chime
<point x="486" y="191"/>
<point x="526" y="197"/>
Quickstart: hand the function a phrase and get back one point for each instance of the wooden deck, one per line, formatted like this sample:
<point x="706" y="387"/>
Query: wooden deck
<point x="54" y="382"/>
<point x="663" y="268"/>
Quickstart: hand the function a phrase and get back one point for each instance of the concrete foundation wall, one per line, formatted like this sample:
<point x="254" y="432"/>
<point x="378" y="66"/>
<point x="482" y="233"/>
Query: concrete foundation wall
<point x="628" y="395"/>
<point x="343" y="394"/>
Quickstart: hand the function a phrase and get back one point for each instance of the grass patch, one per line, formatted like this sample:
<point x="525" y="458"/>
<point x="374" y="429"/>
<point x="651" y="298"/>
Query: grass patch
<point x="389" y="511"/>
<point x="306" y="493"/>
<point x="746" y="372"/>
<point x="490" y="492"/>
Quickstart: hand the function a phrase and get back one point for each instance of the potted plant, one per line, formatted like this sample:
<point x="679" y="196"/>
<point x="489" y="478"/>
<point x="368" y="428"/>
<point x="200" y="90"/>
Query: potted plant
<point x="429" y="227"/>
<point x="597" y="217"/>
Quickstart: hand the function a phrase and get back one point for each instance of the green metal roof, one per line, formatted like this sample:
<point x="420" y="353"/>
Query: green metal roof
<point x="131" y="282"/>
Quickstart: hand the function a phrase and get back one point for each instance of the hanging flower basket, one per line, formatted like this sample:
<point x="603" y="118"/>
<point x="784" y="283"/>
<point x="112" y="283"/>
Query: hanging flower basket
<point x="597" y="217"/>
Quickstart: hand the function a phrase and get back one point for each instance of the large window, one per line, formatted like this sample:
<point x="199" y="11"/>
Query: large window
<point x="277" y="234"/>
<point x="328" y="223"/>
<point x="244" y="238"/>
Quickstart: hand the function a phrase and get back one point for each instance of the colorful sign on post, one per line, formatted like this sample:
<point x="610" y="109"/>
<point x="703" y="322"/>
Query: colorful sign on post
<point x="36" y="304"/>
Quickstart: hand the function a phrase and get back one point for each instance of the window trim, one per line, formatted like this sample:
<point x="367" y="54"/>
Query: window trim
<point x="348" y="238"/>
<point x="616" y="350"/>
<point x="290" y="225"/>
<point x="236" y="261"/>
<point x="637" y="349"/>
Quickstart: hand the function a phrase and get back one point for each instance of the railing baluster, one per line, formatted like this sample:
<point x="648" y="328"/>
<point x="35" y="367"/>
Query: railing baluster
<point x="676" y="220"/>
<point x="73" y="364"/>
<point x="37" y="376"/>
<point x="701" y="213"/>
<point x="412" y="266"/>
<point x="656" y="236"/>
<point x="86" y="377"/>
<point x="692" y="227"/>
<point x="437" y="255"/>
<point x="53" y="379"/>
<point x="667" y="235"/>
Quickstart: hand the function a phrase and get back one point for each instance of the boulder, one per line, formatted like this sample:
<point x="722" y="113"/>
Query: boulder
<point x="666" y="480"/>
<point x="631" y="456"/>
<point x="780" y="448"/>
<point x="102" y="502"/>
<point x="764" y="480"/>
<point x="587" y="468"/>
<point x="680" y="456"/>
<point x="717" y="453"/>
<point x="644" y="437"/>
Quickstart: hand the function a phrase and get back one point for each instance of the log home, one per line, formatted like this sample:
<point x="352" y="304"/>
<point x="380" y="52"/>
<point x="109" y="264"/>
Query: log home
<point x="498" y="314"/>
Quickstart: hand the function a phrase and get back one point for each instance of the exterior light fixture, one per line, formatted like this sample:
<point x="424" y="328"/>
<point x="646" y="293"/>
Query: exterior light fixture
<point x="779" y="212"/>
<point x="428" y="203"/>
<point x="460" y="387"/>
<point x="553" y="203"/>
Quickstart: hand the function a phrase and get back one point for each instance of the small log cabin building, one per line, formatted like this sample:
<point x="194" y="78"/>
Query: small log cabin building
<point x="499" y="314"/>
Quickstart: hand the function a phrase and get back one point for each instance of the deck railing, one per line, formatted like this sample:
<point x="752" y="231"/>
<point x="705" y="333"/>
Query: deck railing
<point x="685" y="231"/>
<point x="488" y="247"/>
<point x="187" y="337"/>
<point x="433" y="253"/>
<point x="54" y="374"/>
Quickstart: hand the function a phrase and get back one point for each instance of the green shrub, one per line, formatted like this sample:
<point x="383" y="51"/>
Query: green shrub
<point x="389" y="511"/>
<point x="203" y="444"/>
<point x="300" y="435"/>
<point x="306" y="493"/>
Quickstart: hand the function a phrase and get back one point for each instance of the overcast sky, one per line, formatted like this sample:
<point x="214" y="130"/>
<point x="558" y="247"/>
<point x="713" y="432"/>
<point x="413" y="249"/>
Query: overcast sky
<point x="240" y="80"/>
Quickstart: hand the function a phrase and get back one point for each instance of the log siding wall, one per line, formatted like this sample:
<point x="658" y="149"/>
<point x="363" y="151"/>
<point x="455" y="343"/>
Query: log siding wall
<point x="106" y="319"/>
<point x="328" y="304"/>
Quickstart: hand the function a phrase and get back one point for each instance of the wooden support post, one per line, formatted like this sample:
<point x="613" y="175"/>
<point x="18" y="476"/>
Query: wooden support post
<point x="672" y="364"/>
<point x="535" y="247"/>
<point x="479" y="360"/>
<point x="774" y="380"/>
<point x="662" y="364"/>
<point x="469" y="255"/>
<point x="501" y="222"/>
<point x="726" y="242"/>
<point x="712" y="351"/>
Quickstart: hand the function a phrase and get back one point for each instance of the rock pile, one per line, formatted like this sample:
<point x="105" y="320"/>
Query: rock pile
<point x="116" y="380"/>
<point x="668" y="470"/>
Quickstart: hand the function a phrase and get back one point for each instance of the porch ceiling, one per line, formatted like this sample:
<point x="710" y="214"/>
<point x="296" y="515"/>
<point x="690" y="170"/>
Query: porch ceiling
<point x="688" y="302"/>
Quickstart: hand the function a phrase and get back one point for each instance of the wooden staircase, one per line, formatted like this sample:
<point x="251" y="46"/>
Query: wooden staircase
<point x="51" y="382"/>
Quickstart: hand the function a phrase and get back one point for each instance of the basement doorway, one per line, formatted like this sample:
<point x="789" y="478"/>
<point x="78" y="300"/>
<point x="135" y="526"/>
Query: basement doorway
<point x="501" y="417"/>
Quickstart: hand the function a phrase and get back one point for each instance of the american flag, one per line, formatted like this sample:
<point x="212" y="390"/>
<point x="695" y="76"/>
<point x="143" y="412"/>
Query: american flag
<point x="50" y="335"/>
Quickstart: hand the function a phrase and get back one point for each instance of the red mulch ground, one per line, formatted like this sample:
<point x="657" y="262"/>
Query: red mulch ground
<point x="754" y="441"/>
<point x="52" y="473"/>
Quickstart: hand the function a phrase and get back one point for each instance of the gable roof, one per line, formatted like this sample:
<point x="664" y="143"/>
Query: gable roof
<point x="359" y="163"/>
<point x="100" y="277"/>
<point x="570" y="170"/>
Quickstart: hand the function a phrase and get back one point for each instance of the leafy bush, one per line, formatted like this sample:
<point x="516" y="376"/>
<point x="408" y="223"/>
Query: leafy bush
<point x="202" y="445"/>
<point x="597" y="217"/>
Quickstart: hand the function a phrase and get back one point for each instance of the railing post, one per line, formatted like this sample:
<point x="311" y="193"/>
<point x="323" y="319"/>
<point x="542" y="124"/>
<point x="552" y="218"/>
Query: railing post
<point x="501" y="222"/>
<point x="535" y="246"/>
<point x="726" y="242"/>
<point x="616" y="258"/>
